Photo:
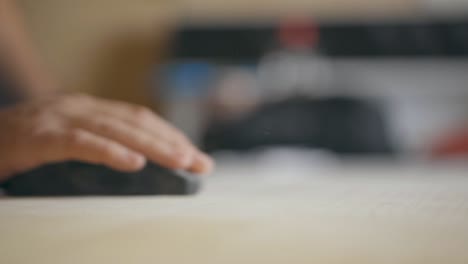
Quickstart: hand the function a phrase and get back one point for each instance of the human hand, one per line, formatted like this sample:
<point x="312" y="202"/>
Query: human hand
<point x="81" y="127"/>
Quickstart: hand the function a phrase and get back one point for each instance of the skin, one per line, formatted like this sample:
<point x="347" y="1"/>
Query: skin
<point x="19" y="57"/>
<point x="80" y="127"/>
<point x="47" y="127"/>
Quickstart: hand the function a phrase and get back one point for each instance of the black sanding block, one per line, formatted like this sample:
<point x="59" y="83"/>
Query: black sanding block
<point x="77" y="178"/>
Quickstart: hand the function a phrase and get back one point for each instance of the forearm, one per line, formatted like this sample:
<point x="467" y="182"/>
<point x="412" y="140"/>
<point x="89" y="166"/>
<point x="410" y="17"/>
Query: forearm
<point x="18" y="55"/>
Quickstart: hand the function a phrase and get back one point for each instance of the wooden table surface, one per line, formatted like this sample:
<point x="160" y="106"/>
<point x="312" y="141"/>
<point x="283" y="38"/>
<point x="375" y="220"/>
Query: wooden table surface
<point x="298" y="212"/>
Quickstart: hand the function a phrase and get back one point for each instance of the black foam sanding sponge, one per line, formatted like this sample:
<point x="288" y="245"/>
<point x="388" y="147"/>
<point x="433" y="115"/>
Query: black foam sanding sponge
<point x="77" y="178"/>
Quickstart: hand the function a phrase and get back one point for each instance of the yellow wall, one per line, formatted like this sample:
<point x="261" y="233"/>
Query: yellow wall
<point x="100" y="46"/>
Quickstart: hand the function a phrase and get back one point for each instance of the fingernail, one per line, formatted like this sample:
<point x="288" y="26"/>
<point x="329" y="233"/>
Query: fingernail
<point x="206" y="162"/>
<point x="137" y="160"/>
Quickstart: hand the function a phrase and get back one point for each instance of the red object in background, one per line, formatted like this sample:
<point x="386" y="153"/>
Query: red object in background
<point x="298" y="33"/>
<point x="453" y="145"/>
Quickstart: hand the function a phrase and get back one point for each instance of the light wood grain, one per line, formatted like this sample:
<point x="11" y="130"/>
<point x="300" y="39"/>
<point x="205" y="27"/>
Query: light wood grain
<point x="256" y="214"/>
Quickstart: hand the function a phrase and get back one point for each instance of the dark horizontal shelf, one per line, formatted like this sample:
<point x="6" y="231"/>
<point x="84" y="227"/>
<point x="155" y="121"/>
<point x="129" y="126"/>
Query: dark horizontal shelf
<point x="391" y="39"/>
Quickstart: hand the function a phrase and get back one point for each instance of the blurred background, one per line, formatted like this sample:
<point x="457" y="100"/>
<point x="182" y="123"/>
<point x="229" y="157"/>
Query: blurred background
<point x="384" y="79"/>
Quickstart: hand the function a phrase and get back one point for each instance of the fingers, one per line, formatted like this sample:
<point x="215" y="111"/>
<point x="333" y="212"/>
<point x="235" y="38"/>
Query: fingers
<point x="142" y="118"/>
<point x="77" y="127"/>
<point x="159" y="150"/>
<point x="202" y="164"/>
<point x="144" y="131"/>
<point x="85" y="146"/>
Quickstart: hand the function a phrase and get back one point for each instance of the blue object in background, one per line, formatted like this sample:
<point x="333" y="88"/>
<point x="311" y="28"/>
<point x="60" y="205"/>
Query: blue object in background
<point x="187" y="80"/>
